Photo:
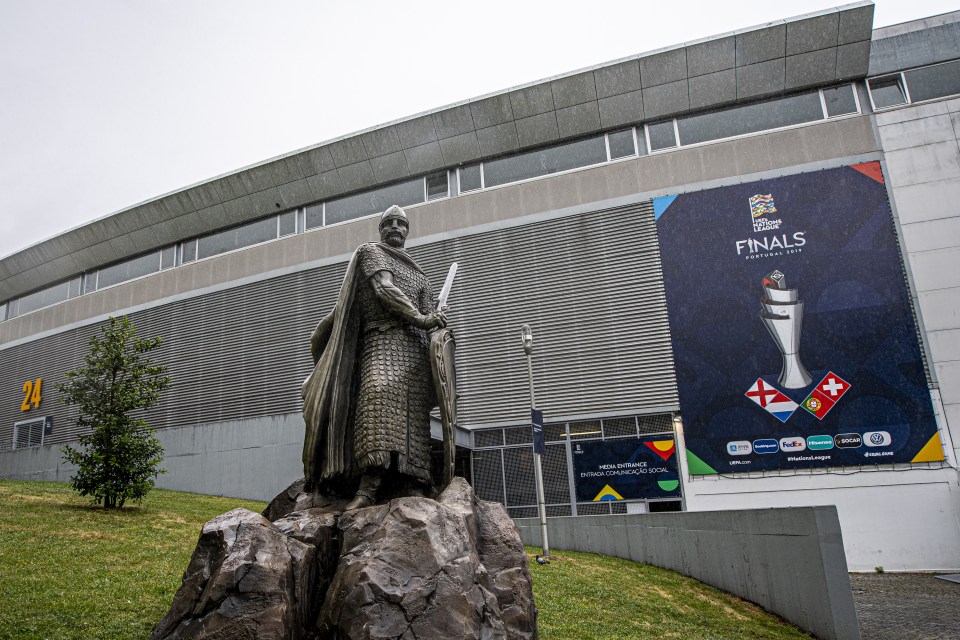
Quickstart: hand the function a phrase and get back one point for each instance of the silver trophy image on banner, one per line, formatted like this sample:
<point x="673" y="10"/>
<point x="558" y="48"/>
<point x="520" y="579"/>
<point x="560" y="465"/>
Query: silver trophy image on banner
<point x="782" y="315"/>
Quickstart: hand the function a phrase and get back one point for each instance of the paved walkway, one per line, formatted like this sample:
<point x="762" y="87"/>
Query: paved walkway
<point x="906" y="606"/>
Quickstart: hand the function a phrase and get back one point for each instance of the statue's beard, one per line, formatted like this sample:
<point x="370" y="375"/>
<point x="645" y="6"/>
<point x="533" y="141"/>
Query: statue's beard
<point x="395" y="240"/>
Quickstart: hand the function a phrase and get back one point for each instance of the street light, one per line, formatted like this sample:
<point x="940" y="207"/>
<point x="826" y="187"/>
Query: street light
<point x="526" y="334"/>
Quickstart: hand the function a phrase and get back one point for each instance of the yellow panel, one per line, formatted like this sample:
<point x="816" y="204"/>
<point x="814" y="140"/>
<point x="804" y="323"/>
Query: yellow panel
<point x="663" y="445"/>
<point x="932" y="451"/>
<point x="607" y="492"/>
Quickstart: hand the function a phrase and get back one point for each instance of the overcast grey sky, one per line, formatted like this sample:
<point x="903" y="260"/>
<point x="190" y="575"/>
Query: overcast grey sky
<point x="108" y="103"/>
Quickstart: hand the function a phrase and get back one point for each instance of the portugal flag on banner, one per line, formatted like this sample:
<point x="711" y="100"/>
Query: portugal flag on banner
<point x="826" y="394"/>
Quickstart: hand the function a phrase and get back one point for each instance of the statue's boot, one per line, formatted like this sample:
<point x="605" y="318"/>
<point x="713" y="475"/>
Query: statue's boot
<point x="366" y="493"/>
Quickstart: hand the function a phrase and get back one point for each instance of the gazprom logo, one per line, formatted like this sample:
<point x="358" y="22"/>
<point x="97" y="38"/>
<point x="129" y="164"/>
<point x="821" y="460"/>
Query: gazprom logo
<point x="817" y="443"/>
<point x="767" y="445"/>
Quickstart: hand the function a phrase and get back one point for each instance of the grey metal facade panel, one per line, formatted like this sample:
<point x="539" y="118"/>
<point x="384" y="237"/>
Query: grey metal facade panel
<point x="578" y="120"/>
<point x="662" y="68"/>
<point x="810" y="69"/>
<point x="856" y="24"/>
<point x="760" y="45"/>
<point x="530" y="101"/>
<point x="713" y="89"/>
<point x="818" y="32"/>
<point x="573" y="90"/>
<point x="491" y="111"/>
<point x="938" y="43"/>
<point x="539" y="129"/>
<point x="617" y="78"/>
<point x="381" y="142"/>
<point x="416" y="132"/>
<point x="459" y="149"/>
<point x="596" y="303"/>
<point x="712" y="56"/>
<point x="621" y="109"/>
<point x="454" y="121"/>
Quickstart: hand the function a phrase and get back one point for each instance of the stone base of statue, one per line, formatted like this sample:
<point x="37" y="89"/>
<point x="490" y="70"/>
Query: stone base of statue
<point x="410" y="569"/>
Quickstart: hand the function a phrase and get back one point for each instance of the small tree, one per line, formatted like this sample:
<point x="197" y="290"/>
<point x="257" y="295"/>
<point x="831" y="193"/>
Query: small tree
<point x="119" y="458"/>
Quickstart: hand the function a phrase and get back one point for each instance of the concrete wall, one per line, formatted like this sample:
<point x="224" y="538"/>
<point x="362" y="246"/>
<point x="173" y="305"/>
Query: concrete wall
<point x="789" y="561"/>
<point x="254" y="459"/>
<point x="903" y="520"/>
<point x="923" y="172"/>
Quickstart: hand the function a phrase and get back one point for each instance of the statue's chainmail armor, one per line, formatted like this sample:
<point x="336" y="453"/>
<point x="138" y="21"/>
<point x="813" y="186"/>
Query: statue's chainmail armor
<point x="396" y="391"/>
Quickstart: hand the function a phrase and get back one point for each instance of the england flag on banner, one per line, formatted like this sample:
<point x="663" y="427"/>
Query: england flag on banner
<point x="769" y="398"/>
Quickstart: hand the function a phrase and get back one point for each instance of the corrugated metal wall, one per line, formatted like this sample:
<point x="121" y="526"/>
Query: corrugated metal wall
<point x="590" y="285"/>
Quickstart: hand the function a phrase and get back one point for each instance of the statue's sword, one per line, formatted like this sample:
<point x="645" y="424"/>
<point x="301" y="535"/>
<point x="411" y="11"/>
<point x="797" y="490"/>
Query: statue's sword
<point x="443" y="366"/>
<point x="447" y="285"/>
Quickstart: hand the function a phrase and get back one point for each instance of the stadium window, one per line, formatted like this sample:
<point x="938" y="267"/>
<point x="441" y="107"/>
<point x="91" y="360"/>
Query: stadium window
<point x="237" y="238"/>
<point x="662" y="135"/>
<point x="471" y="178"/>
<point x="168" y="257"/>
<point x="374" y="201"/>
<point x="532" y="164"/>
<point x="314" y="216"/>
<point x="750" y="118"/>
<point x="437" y="185"/>
<point x="3" y="312"/>
<point x="287" y="223"/>
<point x="128" y="270"/>
<point x="887" y="91"/>
<point x="188" y="251"/>
<point x="621" y="144"/>
<point x="40" y="299"/>
<point x="936" y="81"/>
<point x="75" y="287"/>
<point x="840" y="101"/>
<point x="28" y="433"/>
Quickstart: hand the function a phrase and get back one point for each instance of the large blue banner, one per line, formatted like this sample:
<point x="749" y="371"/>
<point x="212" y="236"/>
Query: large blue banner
<point x="625" y="469"/>
<point x="793" y="337"/>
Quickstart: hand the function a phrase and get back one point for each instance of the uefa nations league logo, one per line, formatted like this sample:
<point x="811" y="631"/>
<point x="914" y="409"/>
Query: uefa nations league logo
<point x="762" y="209"/>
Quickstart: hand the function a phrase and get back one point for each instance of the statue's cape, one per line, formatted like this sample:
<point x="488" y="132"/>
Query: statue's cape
<point x="330" y="391"/>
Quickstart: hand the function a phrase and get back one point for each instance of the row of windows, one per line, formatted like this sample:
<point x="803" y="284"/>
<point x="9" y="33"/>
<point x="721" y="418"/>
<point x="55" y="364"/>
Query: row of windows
<point x="658" y="136"/>
<point x="915" y="85"/>
<point x="885" y="91"/>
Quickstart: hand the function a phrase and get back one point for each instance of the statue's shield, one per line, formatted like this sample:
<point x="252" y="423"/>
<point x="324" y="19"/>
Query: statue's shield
<point x="442" y="351"/>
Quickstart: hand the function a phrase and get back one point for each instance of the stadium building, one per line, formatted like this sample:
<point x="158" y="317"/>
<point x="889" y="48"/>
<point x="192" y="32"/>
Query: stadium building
<point x="740" y="257"/>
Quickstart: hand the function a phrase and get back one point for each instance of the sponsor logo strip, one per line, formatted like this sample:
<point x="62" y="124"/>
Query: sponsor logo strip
<point x="793" y="443"/>
<point x="818" y="443"/>
<point x="739" y="448"/>
<point x="767" y="445"/>
<point x="848" y="440"/>
<point x="877" y="439"/>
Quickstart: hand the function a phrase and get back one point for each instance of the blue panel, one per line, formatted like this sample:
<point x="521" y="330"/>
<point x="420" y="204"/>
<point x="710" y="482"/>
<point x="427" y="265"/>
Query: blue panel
<point x="660" y="205"/>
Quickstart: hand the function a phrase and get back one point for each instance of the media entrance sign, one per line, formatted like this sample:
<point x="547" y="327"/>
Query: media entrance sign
<point x="625" y="469"/>
<point x="793" y="336"/>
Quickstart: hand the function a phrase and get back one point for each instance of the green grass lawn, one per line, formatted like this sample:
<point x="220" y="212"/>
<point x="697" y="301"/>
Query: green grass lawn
<point x="69" y="570"/>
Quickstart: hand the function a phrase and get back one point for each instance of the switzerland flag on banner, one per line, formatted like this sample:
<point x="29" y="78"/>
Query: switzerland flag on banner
<point x="826" y="394"/>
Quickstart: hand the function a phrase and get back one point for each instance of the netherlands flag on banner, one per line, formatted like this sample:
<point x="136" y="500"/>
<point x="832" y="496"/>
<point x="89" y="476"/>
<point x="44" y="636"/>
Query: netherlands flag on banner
<point x="770" y="399"/>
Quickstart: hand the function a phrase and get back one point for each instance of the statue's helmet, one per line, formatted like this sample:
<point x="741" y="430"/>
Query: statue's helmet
<point x="391" y="213"/>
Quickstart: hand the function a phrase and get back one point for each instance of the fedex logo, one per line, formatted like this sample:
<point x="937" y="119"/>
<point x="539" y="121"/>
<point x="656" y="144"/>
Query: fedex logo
<point x="794" y="443"/>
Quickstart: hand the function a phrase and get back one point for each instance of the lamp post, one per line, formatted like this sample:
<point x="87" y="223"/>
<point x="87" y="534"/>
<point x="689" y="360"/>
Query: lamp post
<point x="526" y="334"/>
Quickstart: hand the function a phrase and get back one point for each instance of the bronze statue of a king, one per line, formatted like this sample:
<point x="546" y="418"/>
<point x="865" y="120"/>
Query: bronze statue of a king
<point x="383" y="359"/>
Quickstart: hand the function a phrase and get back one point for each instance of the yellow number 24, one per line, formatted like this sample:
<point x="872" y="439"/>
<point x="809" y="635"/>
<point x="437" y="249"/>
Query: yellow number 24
<point x="31" y="394"/>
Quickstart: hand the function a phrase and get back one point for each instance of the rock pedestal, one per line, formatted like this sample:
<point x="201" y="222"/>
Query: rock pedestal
<point x="411" y="569"/>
